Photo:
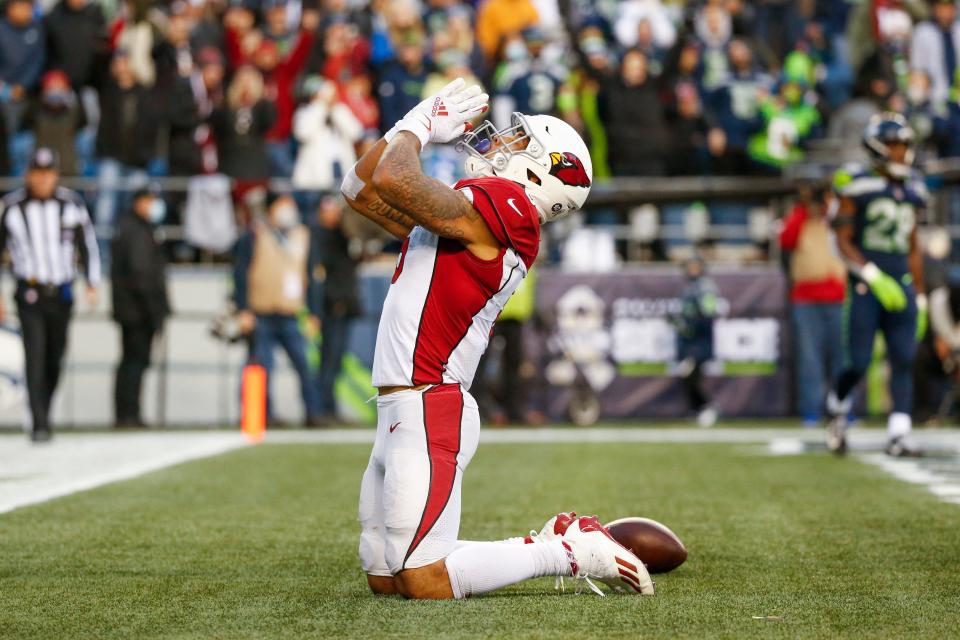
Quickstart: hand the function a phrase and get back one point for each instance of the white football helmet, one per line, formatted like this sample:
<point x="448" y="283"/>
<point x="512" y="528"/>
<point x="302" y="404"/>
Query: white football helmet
<point x="554" y="165"/>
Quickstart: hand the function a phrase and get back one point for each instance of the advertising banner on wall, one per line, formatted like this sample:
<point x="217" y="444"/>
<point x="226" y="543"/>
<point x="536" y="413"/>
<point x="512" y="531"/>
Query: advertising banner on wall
<point x="610" y="335"/>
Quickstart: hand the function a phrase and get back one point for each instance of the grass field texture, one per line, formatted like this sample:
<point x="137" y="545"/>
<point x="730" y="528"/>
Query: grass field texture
<point x="261" y="543"/>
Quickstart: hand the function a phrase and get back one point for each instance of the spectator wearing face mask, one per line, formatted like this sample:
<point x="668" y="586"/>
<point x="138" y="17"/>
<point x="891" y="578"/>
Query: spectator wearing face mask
<point x="527" y="82"/>
<point x="270" y="287"/>
<point x="140" y="303"/>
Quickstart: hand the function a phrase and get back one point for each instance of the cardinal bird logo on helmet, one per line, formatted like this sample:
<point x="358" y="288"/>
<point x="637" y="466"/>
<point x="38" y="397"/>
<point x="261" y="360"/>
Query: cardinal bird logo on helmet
<point x="568" y="169"/>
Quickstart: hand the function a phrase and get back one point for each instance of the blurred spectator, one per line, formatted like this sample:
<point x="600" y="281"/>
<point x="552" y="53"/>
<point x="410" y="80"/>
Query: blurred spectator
<point x="402" y="79"/>
<point x="270" y="283"/>
<point x="173" y="55"/>
<point x="694" y="327"/>
<point x="76" y="40"/>
<point x="135" y="33"/>
<point x="327" y="131"/>
<point x="346" y="52"/>
<point x="55" y="116"/>
<point x="241" y="125"/>
<point x="334" y="297"/>
<point x="688" y="153"/>
<point x="630" y="108"/>
<point x="736" y="106"/>
<point x="713" y="28"/>
<point x="921" y="113"/>
<point x="947" y="125"/>
<point x="935" y="47"/>
<point x="789" y="119"/>
<point x="777" y="24"/>
<point x="498" y="19"/>
<point x="126" y="137"/>
<point x="140" y="303"/>
<point x="527" y="82"/>
<point x="818" y="289"/>
<point x="22" y="56"/>
<point x="636" y="15"/>
<point x="188" y="107"/>
<point x="281" y="68"/>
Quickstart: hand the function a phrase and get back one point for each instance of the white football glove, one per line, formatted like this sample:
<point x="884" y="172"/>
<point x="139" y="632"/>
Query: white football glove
<point x="444" y="116"/>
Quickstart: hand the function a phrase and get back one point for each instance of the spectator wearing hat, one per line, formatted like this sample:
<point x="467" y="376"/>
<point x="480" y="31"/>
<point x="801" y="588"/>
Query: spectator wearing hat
<point x="22" y="56"/>
<point x="55" y="116"/>
<point x="270" y="286"/>
<point x="76" y="34"/>
<point x="45" y="266"/>
<point x="140" y="303"/>
<point x="935" y="48"/>
<point x="126" y="136"/>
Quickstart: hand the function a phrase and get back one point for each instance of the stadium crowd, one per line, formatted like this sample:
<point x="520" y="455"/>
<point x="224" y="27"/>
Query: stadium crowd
<point x="296" y="88"/>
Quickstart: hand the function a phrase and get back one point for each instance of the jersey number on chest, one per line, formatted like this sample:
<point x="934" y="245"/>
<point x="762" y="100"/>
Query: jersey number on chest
<point x="888" y="226"/>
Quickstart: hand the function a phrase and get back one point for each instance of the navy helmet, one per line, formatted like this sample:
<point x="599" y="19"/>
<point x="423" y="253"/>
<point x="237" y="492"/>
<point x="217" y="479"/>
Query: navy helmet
<point x="883" y="130"/>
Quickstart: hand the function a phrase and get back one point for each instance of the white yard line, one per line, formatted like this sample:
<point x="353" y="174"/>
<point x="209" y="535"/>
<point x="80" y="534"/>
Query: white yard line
<point x="77" y="462"/>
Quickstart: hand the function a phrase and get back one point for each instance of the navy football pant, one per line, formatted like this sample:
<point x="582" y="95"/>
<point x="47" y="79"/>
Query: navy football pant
<point x="863" y="317"/>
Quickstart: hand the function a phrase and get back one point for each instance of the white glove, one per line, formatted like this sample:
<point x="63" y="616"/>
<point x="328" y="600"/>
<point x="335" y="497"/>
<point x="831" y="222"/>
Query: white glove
<point x="445" y="116"/>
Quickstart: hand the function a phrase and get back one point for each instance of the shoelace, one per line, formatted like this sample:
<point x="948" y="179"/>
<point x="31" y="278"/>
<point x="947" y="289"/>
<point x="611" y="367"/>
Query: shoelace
<point x="578" y="579"/>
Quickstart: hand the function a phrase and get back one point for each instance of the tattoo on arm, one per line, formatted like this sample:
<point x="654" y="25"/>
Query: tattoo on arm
<point x="426" y="201"/>
<point x="382" y="209"/>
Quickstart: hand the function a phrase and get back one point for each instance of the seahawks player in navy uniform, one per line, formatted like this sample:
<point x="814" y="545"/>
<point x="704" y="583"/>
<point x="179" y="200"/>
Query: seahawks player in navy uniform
<point x="877" y="237"/>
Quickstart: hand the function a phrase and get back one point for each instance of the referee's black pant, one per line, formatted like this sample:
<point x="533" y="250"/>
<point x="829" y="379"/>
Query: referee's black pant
<point x="44" y="318"/>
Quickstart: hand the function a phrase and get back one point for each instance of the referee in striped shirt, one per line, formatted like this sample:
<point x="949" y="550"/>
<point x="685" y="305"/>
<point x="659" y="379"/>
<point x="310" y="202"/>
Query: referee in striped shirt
<point x="46" y="229"/>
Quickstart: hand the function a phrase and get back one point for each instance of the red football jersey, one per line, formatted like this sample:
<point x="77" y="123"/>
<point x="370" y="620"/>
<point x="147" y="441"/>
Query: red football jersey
<point x="443" y="300"/>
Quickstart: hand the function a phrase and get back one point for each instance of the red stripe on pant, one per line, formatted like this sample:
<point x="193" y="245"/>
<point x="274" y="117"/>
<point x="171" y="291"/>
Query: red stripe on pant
<point x="442" y="416"/>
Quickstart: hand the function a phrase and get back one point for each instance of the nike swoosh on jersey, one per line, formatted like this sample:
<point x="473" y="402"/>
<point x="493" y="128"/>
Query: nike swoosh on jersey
<point x="394" y="426"/>
<point x="510" y="202"/>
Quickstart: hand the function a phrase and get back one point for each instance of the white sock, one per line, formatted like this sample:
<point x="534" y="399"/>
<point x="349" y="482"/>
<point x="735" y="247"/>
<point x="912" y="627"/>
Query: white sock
<point x="480" y="567"/>
<point x="466" y="543"/>
<point x="899" y="425"/>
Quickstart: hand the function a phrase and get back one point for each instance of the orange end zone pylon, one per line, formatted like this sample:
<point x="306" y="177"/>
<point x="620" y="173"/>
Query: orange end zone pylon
<point x="253" y="400"/>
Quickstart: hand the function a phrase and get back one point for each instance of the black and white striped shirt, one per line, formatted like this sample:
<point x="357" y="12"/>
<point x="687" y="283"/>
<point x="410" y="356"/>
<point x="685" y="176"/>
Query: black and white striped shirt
<point x="45" y="237"/>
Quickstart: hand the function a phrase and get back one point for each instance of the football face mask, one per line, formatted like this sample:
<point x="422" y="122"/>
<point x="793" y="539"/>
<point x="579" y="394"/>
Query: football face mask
<point x="490" y="150"/>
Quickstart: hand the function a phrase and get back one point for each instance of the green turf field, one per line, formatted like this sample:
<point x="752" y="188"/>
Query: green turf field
<point x="261" y="543"/>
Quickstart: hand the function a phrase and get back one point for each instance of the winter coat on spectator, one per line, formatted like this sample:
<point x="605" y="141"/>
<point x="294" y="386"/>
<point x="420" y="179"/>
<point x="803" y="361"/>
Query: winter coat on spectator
<point x="736" y="106"/>
<point x="183" y="116"/>
<point x="636" y="127"/>
<point x="927" y="54"/>
<point x="241" y="139"/>
<point x="22" y="54"/>
<point x="399" y="91"/>
<point x="76" y="40"/>
<point x="327" y="135"/>
<point x="55" y="126"/>
<point x="137" y="272"/>
<point x="128" y="124"/>
<point x="338" y="291"/>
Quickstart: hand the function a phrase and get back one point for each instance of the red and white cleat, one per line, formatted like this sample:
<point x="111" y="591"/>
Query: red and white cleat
<point x="601" y="557"/>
